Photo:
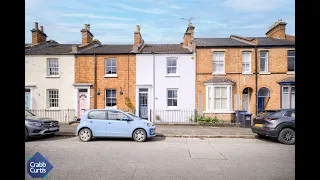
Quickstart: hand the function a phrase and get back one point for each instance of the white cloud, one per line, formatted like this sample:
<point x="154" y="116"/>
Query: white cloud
<point x="255" y="5"/>
<point x="149" y="10"/>
<point x="97" y="17"/>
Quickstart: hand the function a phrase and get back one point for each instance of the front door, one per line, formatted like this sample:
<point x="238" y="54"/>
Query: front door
<point x="27" y="100"/>
<point x="116" y="126"/>
<point x="82" y="101"/>
<point x="260" y="104"/>
<point x="245" y="100"/>
<point x="143" y="103"/>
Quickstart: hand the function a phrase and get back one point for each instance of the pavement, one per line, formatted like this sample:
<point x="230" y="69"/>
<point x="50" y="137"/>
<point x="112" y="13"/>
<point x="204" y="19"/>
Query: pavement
<point x="184" y="131"/>
<point x="165" y="158"/>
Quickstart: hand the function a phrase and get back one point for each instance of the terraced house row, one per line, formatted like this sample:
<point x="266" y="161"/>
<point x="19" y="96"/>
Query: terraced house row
<point x="162" y="82"/>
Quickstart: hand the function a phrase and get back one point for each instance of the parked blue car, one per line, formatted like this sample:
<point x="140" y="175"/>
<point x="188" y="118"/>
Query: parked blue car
<point x="114" y="123"/>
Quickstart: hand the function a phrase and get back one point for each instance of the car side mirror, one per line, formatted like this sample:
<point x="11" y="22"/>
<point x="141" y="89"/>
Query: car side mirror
<point x="126" y="119"/>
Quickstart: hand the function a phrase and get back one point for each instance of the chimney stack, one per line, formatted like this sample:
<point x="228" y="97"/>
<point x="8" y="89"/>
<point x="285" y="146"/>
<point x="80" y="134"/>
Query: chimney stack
<point x="188" y="35"/>
<point x="87" y="36"/>
<point x="277" y="30"/>
<point x="38" y="36"/>
<point x="137" y="36"/>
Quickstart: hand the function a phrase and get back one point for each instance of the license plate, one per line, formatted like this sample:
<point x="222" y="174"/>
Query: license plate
<point x="53" y="129"/>
<point x="258" y="125"/>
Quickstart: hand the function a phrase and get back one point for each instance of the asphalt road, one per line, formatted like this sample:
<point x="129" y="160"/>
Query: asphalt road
<point x="165" y="158"/>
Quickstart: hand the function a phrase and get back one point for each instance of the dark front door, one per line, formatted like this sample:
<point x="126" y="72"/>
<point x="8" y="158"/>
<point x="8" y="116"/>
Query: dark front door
<point x="143" y="103"/>
<point x="260" y="104"/>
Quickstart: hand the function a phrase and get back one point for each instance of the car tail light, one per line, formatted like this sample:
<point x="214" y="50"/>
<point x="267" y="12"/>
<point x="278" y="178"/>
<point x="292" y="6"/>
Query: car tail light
<point x="270" y="119"/>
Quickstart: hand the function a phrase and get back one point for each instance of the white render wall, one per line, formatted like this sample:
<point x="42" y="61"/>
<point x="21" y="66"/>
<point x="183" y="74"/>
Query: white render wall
<point x="184" y="82"/>
<point x="36" y="75"/>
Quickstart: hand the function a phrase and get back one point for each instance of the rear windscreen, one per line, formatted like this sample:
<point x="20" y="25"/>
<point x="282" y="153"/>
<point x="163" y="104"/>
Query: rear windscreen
<point x="266" y="113"/>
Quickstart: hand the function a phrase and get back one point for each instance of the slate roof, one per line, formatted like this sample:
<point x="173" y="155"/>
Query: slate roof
<point x="229" y="42"/>
<point x="288" y="79"/>
<point x="267" y="41"/>
<point x="110" y="49"/>
<point x="219" y="42"/>
<point x="55" y="49"/>
<point x="219" y="80"/>
<point x="165" y="49"/>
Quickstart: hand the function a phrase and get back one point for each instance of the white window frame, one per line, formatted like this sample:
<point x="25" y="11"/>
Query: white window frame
<point x="49" y="98"/>
<point x="289" y="95"/>
<point x="56" y="73"/>
<point x="266" y="61"/>
<point x="229" y="98"/>
<point x="294" y="64"/>
<point x="246" y="61"/>
<point x="177" y="65"/>
<point x="173" y="107"/>
<point x="105" y="98"/>
<point x="218" y="62"/>
<point x="112" y="66"/>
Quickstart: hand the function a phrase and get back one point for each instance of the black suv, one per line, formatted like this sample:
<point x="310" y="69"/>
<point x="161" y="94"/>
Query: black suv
<point x="278" y="124"/>
<point x="39" y="126"/>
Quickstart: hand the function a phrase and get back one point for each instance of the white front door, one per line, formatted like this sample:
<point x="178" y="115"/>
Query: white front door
<point x="246" y="100"/>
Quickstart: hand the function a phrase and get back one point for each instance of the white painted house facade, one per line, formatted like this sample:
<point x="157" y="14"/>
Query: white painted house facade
<point x="165" y="83"/>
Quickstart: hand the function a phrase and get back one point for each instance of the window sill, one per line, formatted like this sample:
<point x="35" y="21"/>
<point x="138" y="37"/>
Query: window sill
<point x="291" y="72"/>
<point x="172" y="109"/>
<point x="172" y="75"/>
<point x="219" y="73"/>
<point x="247" y="73"/>
<point x="264" y="73"/>
<point x="219" y="112"/>
<point x="53" y="76"/>
<point x="110" y="76"/>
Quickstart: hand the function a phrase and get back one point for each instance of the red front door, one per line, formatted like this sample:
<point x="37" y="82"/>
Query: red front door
<point x="82" y="101"/>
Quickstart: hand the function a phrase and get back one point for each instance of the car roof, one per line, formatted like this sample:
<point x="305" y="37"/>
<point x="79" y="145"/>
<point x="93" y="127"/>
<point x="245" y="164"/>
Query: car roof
<point x="105" y="109"/>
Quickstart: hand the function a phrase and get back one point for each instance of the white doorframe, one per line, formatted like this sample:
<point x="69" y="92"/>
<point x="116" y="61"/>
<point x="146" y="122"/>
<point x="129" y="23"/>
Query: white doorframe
<point x="149" y="87"/>
<point x="77" y="94"/>
<point x="31" y="94"/>
<point x="248" y="99"/>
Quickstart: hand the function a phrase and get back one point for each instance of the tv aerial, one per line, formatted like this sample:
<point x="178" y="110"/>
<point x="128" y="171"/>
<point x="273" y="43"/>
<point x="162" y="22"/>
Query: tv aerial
<point x="189" y="20"/>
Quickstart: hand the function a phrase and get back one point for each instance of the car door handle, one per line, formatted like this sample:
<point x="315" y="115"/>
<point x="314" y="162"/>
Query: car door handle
<point x="109" y="122"/>
<point x="91" y="122"/>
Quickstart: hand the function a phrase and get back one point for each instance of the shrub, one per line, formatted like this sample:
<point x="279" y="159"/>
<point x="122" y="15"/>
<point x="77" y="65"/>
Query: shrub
<point x="157" y="117"/>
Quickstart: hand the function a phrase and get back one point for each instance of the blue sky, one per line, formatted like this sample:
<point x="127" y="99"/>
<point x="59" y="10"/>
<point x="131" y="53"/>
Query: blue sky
<point x="114" y="21"/>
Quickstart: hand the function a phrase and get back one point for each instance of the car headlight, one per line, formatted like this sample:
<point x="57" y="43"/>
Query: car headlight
<point x="149" y="124"/>
<point x="35" y="124"/>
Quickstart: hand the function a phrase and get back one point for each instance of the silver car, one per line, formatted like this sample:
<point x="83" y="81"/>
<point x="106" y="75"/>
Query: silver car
<point x="39" y="126"/>
<point x="278" y="124"/>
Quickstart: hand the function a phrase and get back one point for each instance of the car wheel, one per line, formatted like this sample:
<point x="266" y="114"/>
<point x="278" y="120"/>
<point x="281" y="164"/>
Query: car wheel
<point x="26" y="136"/>
<point x="85" y="134"/>
<point x="139" y="135"/>
<point x="287" y="136"/>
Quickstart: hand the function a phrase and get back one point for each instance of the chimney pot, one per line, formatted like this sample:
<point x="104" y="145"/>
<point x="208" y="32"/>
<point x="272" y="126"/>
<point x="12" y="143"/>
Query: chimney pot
<point x="137" y="28"/>
<point x="35" y="25"/>
<point x="41" y="28"/>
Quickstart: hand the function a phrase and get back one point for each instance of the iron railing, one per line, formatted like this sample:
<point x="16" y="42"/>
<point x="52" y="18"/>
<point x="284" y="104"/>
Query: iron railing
<point x="61" y="115"/>
<point x="173" y="116"/>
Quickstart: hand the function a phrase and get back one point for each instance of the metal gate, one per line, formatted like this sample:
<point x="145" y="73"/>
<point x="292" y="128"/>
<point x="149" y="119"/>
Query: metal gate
<point x="143" y="103"/>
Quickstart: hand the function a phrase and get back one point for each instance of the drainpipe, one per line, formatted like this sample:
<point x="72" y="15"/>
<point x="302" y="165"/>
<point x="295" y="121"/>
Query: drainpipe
<point x="256" y="72"/>
<point x="154" y="85"/>
<point x="95" y="83"/>
<point x="128" y="82"/>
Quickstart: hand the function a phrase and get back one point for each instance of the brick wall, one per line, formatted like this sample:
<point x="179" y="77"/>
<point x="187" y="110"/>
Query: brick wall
<point x="233" y="68"/>
<point x="126" y="80"/>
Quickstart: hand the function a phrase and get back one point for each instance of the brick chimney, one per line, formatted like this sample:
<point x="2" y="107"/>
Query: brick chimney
<point x="87" y="36"/>
<point x="188" y="35"/>
<point x="38" y="35"/>
<point x="137" y="36"/>
<point x="277" y="30"/>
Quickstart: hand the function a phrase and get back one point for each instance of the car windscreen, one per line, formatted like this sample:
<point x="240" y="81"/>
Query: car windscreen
<point x="133" y="115"/>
